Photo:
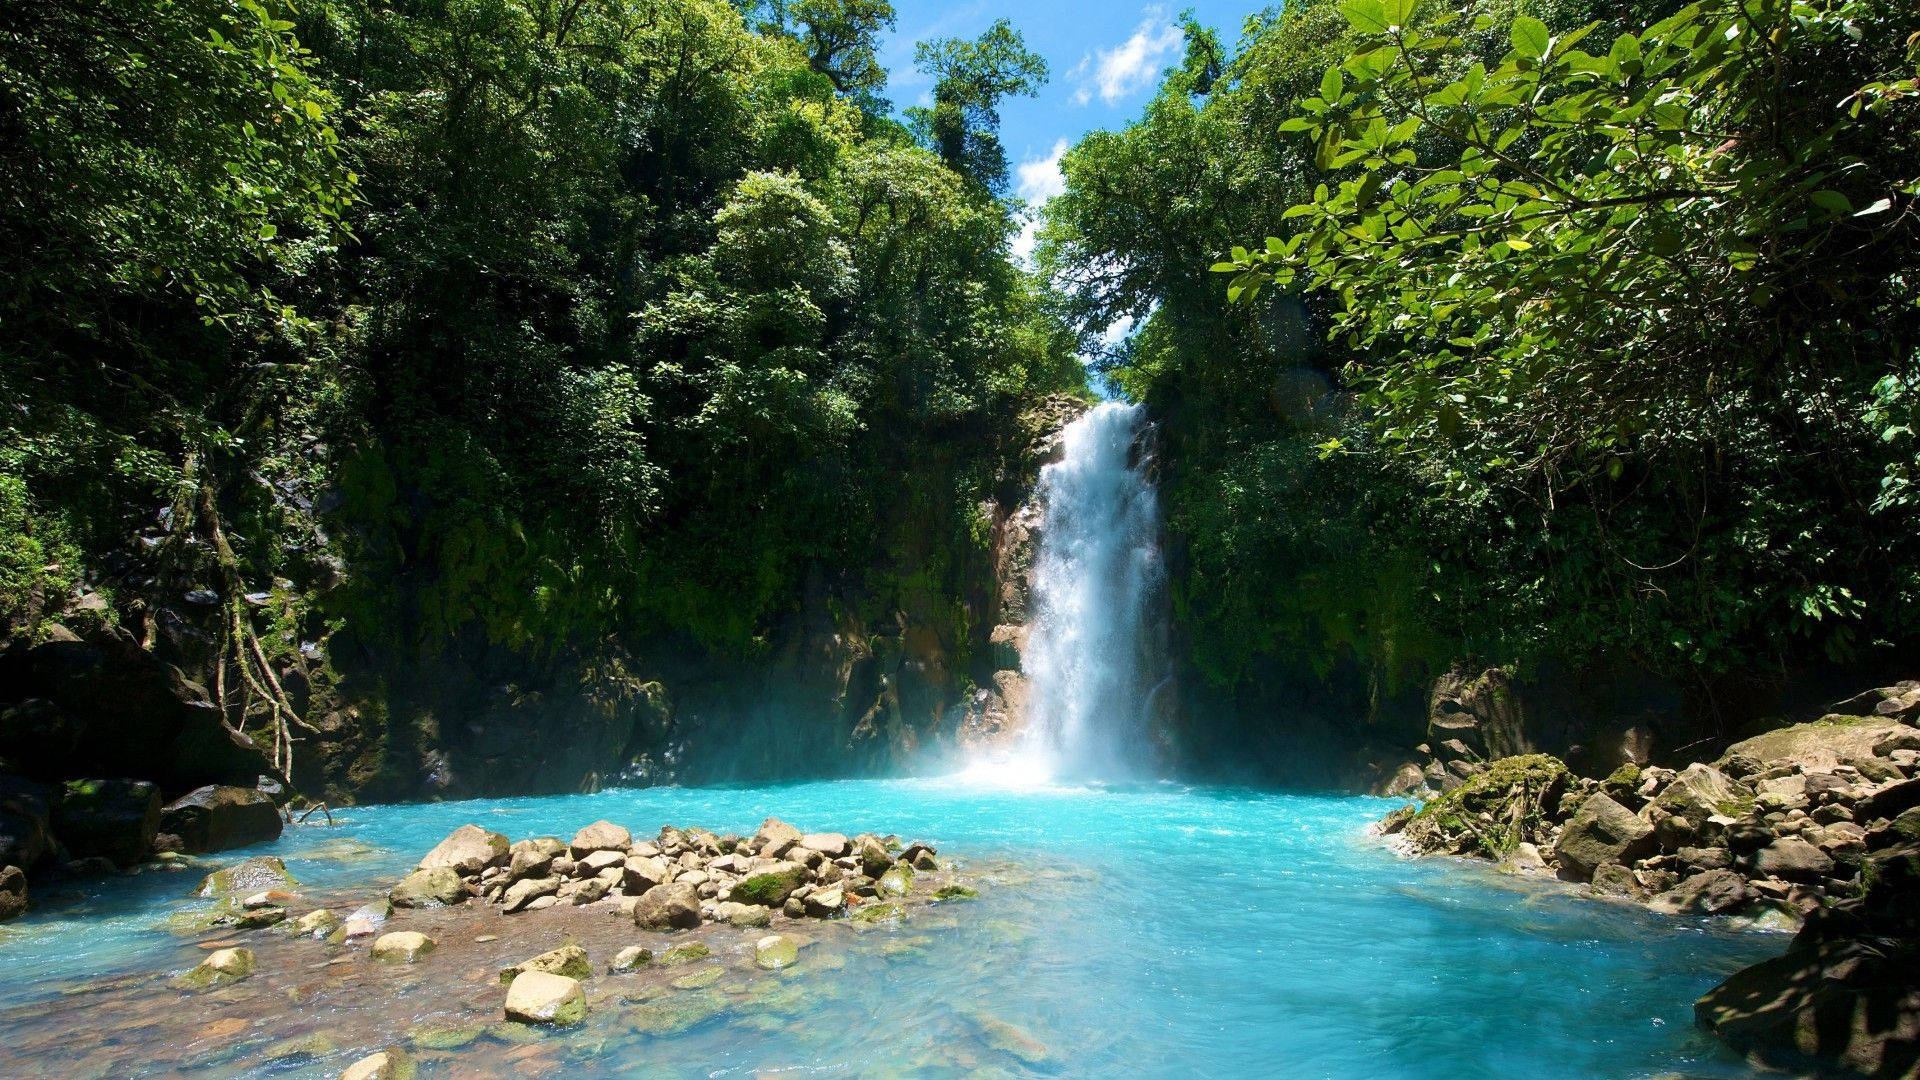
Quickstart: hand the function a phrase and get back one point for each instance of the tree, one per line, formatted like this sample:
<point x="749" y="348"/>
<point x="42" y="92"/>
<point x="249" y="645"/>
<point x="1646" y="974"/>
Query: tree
<point x="971" y="78"/>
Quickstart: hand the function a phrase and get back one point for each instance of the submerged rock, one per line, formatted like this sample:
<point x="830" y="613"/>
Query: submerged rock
<point x="389" y="1064"/>
<point x="537" y="997"/>
<point x="258" y="874"/>
<point x="631" y="958"/>
<point x="402" y="946"/>
<point x="685" y="954"/>
<point x="775" y="951"/>
<point x="221" y="967"/>
<point x="317" y="923"/>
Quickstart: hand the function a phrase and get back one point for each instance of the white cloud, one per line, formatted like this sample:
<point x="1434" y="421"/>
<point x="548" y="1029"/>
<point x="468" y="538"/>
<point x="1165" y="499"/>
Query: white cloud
<point x="1040" y="178"/>
<point x="1134" y="63"/>
<point x="1024" y="240"/>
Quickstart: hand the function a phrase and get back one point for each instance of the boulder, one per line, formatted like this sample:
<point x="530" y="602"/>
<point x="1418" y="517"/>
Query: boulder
<point x="110" y="819"/>
<point x="537" y="997"/>
<point x="1511" y="802"/>
<point x="532" y="858"/>
<point x="389" y="1064"/>
<point x="775" y="951"/>
<point x="1693" y="798"/>
<point x="774" y="838"/>
<point x="568" y="960"/>
<point x="440" y="886"/>
<point x="317" y="923"/>
<point x="831" y="844"/>
<point x="1710" y="892"/>
<point x="742" y="915"/>
<point x="469" y="849"/>
<point x="26" y="823"/>
<point x="13" y="893"/>
<point x="874" y="857"/>
<point x="1818" y="746"/>
<point x="402" y="946"/>
<point x="217" y="817"/>
<point x="524" y="892"/>
<point x="826" y="903"/>
<point x="221" y="967"/>
<point x="262" y="873"/>
<point x="1794" y="859"/>
<point x="1612" y="879"/>
<point x="600" y="836"/>
<point x="1842" y="1004"/>
<point x="897" y="881"/>
<point x="641" y="873"/>
<point x="674" y="906"/>
<point x="1600" y="832"/>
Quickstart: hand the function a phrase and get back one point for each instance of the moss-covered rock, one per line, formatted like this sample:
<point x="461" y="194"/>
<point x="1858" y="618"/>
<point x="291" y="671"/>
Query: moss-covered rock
<point x="221" y="967"/>
<point x="775" y="951"/>
<point x="685" y="954"/>
<point x="569" y="960"/>
<point x="258" y="874"/>
<point x="769" y="889"/>
<point x="1512" y="801"/>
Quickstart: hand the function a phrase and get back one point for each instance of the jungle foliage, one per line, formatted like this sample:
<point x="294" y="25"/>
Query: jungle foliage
<point x="538" y="323"/>
<point x="1576" y="333"/>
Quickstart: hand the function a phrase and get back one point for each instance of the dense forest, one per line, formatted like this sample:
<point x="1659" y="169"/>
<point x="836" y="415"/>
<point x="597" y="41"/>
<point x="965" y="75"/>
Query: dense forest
<point x="380" y="364"/>
<point x="1580" y="339"/>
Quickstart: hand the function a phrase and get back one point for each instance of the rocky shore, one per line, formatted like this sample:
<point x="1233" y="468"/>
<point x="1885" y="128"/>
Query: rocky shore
<point x="487" y="944"/>
<point x="1813" y="827"/>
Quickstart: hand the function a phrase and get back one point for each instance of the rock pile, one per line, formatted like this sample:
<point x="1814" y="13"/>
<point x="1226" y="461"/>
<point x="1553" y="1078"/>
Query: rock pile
<point x="1816" y="825"/>
<point x="678" y="880"/>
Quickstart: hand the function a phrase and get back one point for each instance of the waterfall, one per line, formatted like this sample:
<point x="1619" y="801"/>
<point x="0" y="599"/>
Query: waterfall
<point x="1094" y="655"/>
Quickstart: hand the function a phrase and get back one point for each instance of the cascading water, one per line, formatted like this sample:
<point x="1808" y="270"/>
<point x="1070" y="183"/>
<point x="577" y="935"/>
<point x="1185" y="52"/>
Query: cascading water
<point x="1093" y="654"/>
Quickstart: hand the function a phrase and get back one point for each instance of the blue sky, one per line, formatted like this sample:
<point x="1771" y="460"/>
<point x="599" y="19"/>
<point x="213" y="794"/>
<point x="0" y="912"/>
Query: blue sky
<point x="1105" y="60"/>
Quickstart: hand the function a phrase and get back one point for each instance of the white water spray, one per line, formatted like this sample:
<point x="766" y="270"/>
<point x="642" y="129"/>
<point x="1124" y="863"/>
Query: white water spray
<point x="1093" y="655"/>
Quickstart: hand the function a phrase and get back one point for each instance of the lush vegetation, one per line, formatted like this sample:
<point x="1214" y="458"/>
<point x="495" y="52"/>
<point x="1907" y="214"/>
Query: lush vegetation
<point x="551" y="326"/>
<point x="1547" y="332"/>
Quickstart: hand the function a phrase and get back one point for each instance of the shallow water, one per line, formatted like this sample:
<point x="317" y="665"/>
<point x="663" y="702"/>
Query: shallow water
<point x="1157" y="931"/>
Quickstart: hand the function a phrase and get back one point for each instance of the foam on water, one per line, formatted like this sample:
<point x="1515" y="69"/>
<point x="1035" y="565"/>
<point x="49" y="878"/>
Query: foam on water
<point x="1156" y="930"/>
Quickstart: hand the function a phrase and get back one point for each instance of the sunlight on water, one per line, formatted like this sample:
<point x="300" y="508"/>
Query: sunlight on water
<point x="1155" y="930"/>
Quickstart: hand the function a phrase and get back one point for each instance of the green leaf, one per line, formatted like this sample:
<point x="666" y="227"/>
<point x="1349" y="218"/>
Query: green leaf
<point x="1400" y="12"/>
<point x="1530" y="37"/>
<point x="1331" y="84"/>
<point x="1366" y="16"/>
<point x="1832" y="201"/>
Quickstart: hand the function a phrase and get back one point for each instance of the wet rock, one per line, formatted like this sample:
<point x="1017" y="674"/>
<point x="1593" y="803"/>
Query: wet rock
<point x="897" y="881"/>
<point x="389" y="1064"/>
<point x="537" y="997"/>
<point x="1600" y="832"/>
<point x="440" y="886"/>
<point x="947" y="893"/>
<point x="110" y="819"/>
<point x="775" y="951"/>
<point x="260" y="918"/>
<point x="600" y="836"/>
<point x="364" y="921"/>
<point x="218" y="817"/>
<point x="221" y="967"/>
<point x="258" y="874"/>
<point x="568" y="960"/>
<point x="1396" y="821"/>
<point x="402" y="946"/>
<point x="13" y="893"/>
<point x="875" y="914"/>
<point x="1612" y="879"/>
<point x="631" y="958"/>
<point x="1710" y="892"/>
<point x="920" y="857"/>
<point x="469" y="849"/>
<point x="669" y="907"/>
<point x="1012" y="1040"/>
<point x="317" y="923"/>
<point x="685" y="954"/>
